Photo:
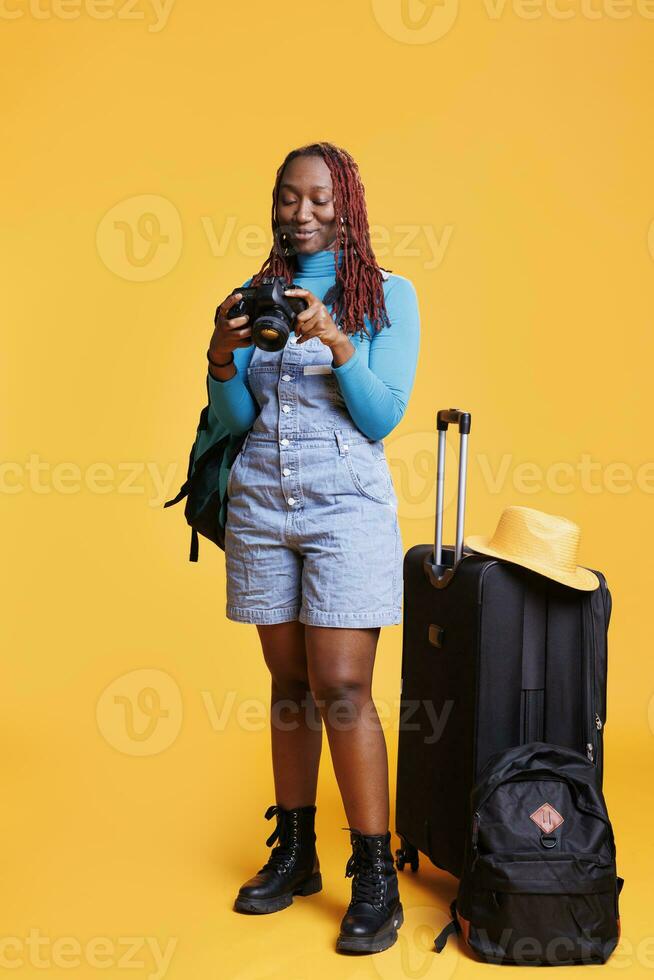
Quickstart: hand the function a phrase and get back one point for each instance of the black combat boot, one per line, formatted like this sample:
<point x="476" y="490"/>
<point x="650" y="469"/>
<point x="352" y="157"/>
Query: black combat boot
<point x="292" y="868"/>
<point x="375" y="912"/>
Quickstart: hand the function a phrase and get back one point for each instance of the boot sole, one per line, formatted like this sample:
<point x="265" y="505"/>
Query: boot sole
<point x="373" y="944"/>
<point x="263" y="905"/>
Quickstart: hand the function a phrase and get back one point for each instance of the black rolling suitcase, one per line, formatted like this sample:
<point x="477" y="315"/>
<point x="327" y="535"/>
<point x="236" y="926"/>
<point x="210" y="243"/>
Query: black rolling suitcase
<point x="493" y="656"/>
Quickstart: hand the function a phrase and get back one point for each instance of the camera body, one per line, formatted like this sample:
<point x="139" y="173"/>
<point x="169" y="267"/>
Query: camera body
<point x="271" y="314"/>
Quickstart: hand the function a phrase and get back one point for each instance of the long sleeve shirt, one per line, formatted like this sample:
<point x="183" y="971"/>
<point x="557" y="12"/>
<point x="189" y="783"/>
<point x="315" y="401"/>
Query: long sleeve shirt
<point x="375" y="381"/>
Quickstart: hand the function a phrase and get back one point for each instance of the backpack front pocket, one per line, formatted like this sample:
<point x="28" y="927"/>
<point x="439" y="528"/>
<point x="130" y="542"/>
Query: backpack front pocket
<point x="552" y="911"/>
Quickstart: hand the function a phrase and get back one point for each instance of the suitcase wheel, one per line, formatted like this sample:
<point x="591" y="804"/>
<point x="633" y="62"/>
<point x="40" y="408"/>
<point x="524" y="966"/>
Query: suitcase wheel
<point x="407" y="854"/>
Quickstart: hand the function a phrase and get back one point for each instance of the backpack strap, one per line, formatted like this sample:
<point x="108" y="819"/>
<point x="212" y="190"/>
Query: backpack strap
<point x="203" y="424"/>
<point x="195" y="541"/>
<point x="183" y="491"/>
<point x="450" y="929"/>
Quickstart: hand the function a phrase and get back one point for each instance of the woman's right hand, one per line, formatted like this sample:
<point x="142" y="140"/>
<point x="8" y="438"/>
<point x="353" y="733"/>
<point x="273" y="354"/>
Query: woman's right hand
<point x="229" y="334"/>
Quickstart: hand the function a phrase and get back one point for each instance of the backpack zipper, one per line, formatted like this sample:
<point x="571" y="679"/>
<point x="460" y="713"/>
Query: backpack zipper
<point x="475" y="829"/>
<point x="535" y="776"/>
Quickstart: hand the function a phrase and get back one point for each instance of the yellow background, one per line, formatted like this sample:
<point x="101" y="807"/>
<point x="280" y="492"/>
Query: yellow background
<point x="521" y="138"/>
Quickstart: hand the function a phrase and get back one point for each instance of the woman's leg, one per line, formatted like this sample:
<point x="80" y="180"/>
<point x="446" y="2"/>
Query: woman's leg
<point x="295" y="722"/>
<point x="340" y="663"/>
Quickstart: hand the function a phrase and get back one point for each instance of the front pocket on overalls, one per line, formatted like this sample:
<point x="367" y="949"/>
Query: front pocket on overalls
<point x="369" y="472"/>
<point x="262" y="380"/>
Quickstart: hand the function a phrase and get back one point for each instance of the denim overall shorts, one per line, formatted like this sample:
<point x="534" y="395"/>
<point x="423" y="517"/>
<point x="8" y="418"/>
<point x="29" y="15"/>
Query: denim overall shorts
<point x="312" y="531"/>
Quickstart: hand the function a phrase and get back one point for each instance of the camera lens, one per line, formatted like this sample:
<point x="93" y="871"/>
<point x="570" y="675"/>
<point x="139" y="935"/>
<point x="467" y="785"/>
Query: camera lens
<point x="270" y="331"/>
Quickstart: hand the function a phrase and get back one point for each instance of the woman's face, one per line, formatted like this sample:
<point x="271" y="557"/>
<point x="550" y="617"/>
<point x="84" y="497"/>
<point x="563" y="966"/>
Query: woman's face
<point x="305" y="205"/>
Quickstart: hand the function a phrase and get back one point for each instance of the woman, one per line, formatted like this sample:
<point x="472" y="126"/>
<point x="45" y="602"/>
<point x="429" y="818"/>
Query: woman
<point x="312" y="542"/>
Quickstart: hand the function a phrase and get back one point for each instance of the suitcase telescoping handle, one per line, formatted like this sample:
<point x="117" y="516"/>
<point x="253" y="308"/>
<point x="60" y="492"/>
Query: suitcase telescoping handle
<point x="439" y="574"/>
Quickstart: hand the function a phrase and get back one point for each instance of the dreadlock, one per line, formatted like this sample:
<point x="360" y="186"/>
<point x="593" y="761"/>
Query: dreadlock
<point x="358" y="291"/>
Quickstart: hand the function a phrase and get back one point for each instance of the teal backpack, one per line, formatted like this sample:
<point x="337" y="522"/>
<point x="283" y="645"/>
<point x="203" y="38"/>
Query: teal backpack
<point x="210" y="460"/>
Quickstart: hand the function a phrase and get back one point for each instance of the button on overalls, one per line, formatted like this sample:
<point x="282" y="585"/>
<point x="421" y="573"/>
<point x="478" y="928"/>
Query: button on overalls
<point x="312" y="530"/>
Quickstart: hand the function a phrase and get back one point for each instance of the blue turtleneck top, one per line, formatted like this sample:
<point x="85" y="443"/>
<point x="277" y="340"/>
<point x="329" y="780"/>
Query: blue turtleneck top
<point x="375" y="381"/>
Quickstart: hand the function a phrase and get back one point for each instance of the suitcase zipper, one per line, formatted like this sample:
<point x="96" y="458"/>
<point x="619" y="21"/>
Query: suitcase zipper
<point x="590" y="749"/>
<point x="594" y="725"/>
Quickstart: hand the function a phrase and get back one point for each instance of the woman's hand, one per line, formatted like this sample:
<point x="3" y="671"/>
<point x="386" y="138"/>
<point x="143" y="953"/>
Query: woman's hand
<point x="315" y="321"/>
<point x="229" y="334"/>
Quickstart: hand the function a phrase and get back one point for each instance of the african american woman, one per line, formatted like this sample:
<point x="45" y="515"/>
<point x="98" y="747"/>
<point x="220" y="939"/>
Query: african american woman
<point x="312" y="543"/>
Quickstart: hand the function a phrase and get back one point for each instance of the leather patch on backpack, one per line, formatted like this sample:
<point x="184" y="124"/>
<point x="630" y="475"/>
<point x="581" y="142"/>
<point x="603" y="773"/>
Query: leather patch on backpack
<point x="546" y="817"/>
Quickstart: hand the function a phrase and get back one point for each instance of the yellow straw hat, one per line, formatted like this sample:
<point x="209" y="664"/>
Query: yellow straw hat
<point x="542" y="542"/>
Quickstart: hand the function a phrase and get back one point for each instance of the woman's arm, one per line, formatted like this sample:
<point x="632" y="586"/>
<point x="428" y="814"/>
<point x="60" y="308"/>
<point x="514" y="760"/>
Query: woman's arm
<point x="377" y="393"/>
<point x="231" y="401"/>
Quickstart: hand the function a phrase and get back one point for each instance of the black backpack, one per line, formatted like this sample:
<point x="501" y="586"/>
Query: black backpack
<point x="539" y="883"/>
<point x="211" y="457"/>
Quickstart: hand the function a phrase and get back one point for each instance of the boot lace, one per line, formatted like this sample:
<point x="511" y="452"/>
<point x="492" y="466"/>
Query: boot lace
<point x="367" y="872"/>
<point x="282" y="856"/>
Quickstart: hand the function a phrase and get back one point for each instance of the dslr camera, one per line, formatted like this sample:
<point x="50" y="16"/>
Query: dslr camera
<point x="271" y="314"/>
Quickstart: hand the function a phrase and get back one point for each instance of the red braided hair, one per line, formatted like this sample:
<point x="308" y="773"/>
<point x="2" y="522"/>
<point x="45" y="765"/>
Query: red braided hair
<point x="359" y="285"/>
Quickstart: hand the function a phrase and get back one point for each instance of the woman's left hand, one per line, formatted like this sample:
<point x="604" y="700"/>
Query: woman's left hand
<point x="315" y="321"/>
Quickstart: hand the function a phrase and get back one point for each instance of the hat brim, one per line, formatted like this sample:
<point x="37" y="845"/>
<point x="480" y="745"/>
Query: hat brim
<point x="581" y="578"/>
